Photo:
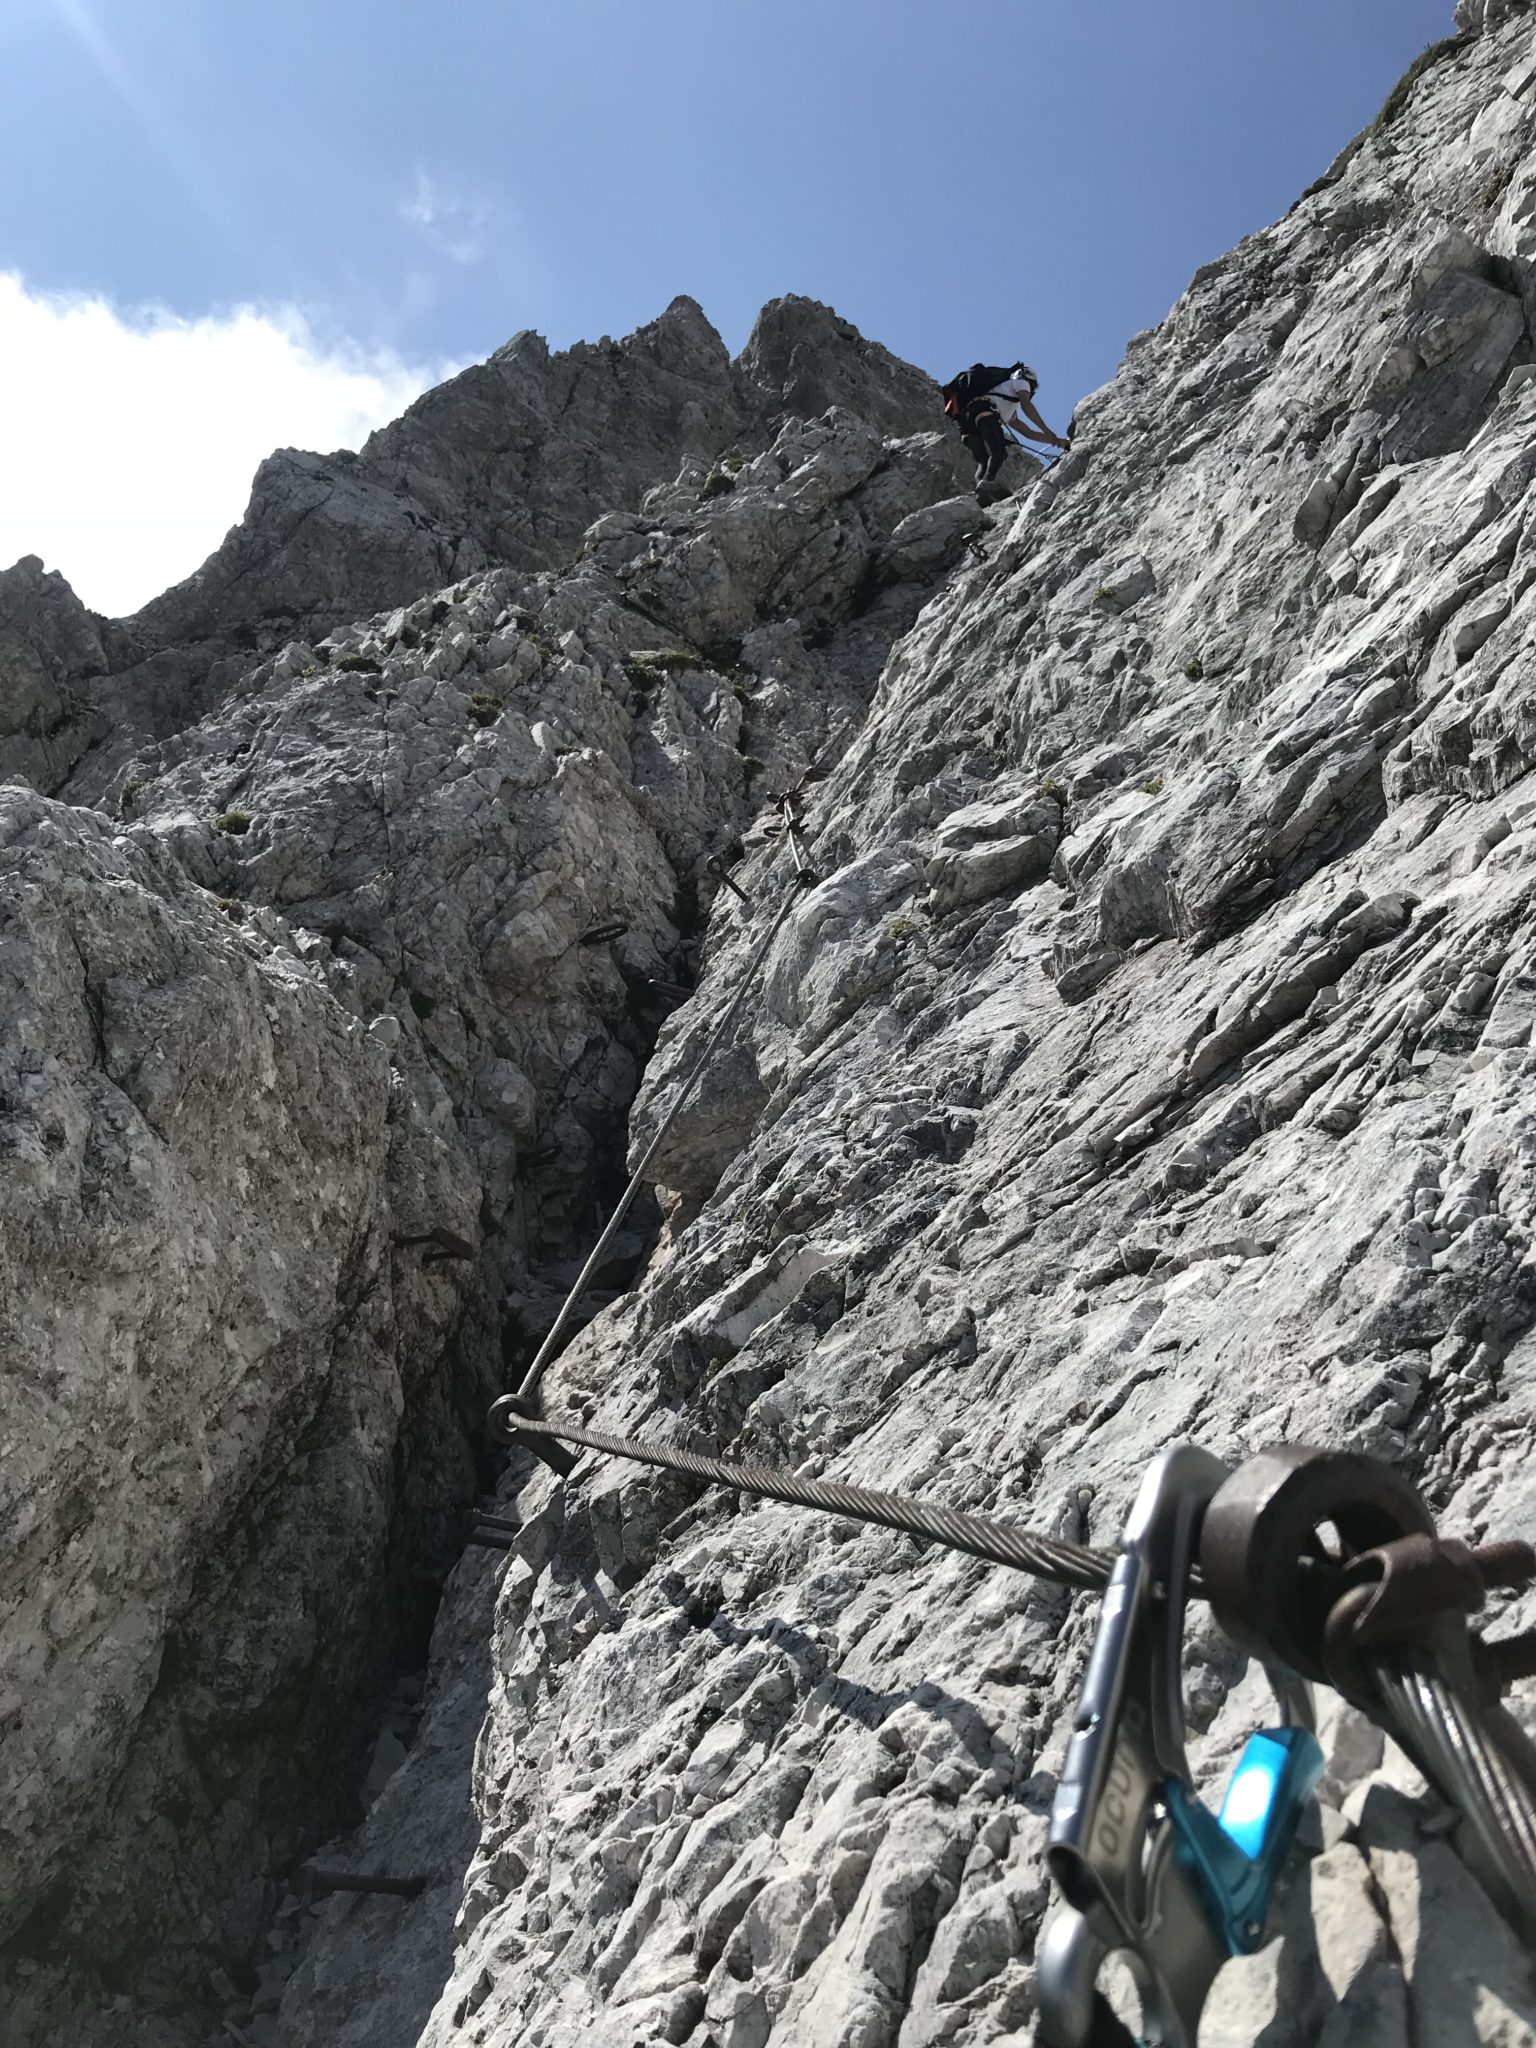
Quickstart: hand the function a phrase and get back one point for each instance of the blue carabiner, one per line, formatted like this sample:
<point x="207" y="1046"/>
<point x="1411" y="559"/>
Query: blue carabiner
<point x="1241" y="1854"/>
<point x="1145" y="1869"/>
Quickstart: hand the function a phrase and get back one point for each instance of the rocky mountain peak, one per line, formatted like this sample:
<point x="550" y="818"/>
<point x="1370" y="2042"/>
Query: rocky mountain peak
<point x="506" y="463"/>
<point x="803" y="358"/>
<point x="51" y="648"/>
<point x="683" y="336"/>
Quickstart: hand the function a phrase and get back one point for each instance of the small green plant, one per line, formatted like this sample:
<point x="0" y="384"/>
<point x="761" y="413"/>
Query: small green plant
<point x="712" y="1366"/>
<point x="717" y="484"/>
<point x="542" y="647"/>
<point x="232" y="909"/>
<point x="1103" y="595"/>
<point x="661" y="661"/>
<point x="1495" y="185"/>
<point x="129" y="791"/>
<point x="233" y="821"/>
<point x="1153" y="786"/>
<point x="358" y="665"/>
<point x="1053" y="789"/>
<point x="753" y="766"/>
<point x="310" y="668"/>
<point x="484" y="709"/>
<point x="734" y="464"/>
<point x="646" y="670"/>
<point x="1194" y="668"/>
<point x="903" y="927"/>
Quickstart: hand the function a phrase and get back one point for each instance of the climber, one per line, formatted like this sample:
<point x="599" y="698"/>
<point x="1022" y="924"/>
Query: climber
<point x="982" y="401"/>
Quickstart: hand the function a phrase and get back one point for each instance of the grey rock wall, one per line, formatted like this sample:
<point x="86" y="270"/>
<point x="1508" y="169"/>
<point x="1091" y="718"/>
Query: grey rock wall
<point x="321" y="1038"/>
<point x="50" y="649"/>
<point x="1152" y="1061"/>
<point x="208" y="1347"/>
<point x="508" y="463"/>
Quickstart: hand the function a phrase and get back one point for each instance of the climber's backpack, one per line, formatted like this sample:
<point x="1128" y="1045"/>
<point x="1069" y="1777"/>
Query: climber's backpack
<point x="963" y="391"/>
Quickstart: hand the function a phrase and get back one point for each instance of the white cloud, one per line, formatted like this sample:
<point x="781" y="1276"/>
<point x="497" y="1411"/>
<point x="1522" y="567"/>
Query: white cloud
<point x="128" y="441"/>
<point x="447" y="222"/>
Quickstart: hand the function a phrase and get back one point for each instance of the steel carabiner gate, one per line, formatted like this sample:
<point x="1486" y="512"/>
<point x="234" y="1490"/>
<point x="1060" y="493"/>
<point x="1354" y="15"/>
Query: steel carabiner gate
<point x="1146" y="1871"/>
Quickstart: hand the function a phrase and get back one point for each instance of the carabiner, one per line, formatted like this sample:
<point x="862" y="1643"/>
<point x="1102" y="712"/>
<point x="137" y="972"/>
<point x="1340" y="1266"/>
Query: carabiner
<point x="1144" y="1868"/>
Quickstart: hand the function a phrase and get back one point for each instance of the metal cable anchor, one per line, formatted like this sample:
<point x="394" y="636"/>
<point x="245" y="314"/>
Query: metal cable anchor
<point x="716" y="866"/>
<point x="1145" y="1869"/>
<point x="1396" y="1583"/>
<point x="512" y="1409"/>
<point x="791" y="823"/>
<point x="1382" y="1616"/>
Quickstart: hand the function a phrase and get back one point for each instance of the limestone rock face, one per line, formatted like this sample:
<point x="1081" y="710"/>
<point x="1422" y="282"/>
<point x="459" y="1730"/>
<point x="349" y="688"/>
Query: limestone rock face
<point x="802" y="359"/>
<point x="495" y="806"/>
<point x="317" y="1051"/>
<point x="49" y="646"/>
<point x="1150" y="1061"/>
<point x="185" y="1209"/>
<point x="507" y="463"/>
<point x="1150" y="1057"/>
<point x="320" y="532"/>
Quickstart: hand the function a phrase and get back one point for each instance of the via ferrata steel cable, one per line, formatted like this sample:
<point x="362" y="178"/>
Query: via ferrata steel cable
<point x="1482" y="1762"/>
<point x="1048" y="1557"/>
<point x="804" y="878"/>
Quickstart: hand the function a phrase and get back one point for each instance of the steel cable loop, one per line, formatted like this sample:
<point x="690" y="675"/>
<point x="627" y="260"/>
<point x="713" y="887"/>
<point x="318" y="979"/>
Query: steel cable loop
<point x="1467" y="1762"/>
<point x="1069" y="1564"/>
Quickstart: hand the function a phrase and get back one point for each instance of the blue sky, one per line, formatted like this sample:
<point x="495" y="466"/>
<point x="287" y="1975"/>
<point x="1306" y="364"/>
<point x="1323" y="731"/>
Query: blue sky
<point x="401" y="185"/>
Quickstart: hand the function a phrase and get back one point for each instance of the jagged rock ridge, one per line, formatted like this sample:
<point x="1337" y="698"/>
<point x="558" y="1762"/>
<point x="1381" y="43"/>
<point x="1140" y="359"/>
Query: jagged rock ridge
<point x="315" y="1057"/>
<point x="508" y="463"/>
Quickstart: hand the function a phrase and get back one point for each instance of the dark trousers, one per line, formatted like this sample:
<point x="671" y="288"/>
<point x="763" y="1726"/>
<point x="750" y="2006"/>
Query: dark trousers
<point x="986" y="442"/>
